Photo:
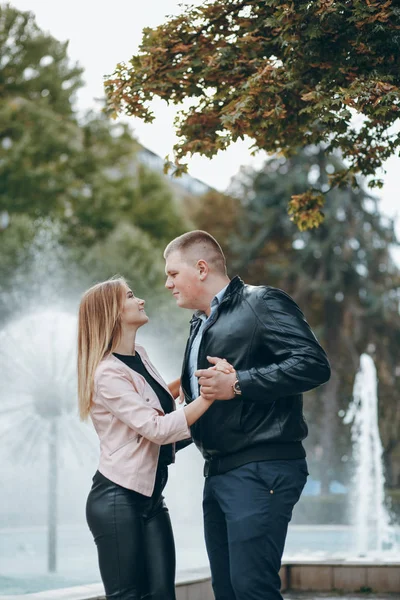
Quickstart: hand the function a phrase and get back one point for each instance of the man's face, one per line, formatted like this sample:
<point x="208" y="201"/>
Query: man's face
<point x="184" y="281"/>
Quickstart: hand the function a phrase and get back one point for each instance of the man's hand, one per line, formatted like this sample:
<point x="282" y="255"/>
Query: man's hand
<point x="217" y="381"/>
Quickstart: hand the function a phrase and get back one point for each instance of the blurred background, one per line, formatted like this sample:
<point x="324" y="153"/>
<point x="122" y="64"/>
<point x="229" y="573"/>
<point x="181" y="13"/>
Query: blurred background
<point x="83" y="198"/>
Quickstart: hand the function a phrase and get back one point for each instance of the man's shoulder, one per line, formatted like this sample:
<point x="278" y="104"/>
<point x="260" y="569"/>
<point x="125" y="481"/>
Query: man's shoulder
<point x="256" y="294"/>
<point x="258" y="291"/>
<point x="250" y="295"/>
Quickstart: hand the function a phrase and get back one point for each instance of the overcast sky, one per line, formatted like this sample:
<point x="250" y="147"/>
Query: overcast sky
<point x="104" y="33"/>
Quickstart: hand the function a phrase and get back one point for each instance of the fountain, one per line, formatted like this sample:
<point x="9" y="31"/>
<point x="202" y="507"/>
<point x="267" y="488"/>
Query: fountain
<point x="372" y="529"/>
<point x="39" y="403"/>
<point x="48" y="545"/>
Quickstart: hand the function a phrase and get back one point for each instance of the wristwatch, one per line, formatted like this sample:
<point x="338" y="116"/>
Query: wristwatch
<point x="236" y="388"/>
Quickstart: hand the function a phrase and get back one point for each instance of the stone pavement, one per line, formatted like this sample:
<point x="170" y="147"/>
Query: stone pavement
<point x="344" y="596"/>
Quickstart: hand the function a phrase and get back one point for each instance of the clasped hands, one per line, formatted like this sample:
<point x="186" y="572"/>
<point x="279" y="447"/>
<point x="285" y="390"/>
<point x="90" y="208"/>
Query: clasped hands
<point x="216" y="382"/>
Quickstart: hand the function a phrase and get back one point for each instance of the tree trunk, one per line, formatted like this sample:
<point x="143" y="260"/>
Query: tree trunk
<point x="329" y="429"/>
<point x="329" y="424"/>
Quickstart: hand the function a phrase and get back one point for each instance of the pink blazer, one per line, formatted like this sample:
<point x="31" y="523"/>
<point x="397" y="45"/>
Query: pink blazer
<point x="131" y="423"/>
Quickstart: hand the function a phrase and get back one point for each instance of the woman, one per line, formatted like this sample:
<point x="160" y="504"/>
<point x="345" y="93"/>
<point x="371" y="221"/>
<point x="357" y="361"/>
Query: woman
<point x="134" y="415"/>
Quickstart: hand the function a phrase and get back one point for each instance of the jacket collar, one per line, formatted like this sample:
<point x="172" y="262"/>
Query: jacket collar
<point x="145" y="360"/>
<point x="233" y="287"/>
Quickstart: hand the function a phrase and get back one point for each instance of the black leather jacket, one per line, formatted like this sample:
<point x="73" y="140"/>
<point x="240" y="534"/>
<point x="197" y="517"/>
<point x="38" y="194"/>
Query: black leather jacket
<point x="262" y="332"/>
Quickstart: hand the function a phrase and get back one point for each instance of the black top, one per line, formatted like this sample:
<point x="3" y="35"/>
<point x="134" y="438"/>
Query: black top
<point x="135" y="363"/>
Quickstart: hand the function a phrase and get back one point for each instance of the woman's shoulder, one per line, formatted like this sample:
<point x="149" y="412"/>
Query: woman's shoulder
<point x="113" y="372"/>
<point x="108" y="364"/>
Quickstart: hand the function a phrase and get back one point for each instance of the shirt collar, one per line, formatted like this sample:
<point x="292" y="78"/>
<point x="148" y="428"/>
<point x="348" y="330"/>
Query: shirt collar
<point x="215" y="302"/>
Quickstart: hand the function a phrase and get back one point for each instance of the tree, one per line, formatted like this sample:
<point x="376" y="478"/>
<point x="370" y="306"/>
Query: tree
<point x="15" y="244"/>
<point x="54" y="164"/>
<point x="51" y="163"/>
<point x="110" y="186"/>
<point x="220" y="214"/>
<point x="66" y="178"/>
<point x="343" y="277"/>
<point x="38" y="130"/>
<point x="285" y="74"/>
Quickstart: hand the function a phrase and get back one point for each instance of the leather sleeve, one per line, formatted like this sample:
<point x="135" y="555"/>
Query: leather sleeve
<point x="181" y="444"/>
<point x="298" y="363"/>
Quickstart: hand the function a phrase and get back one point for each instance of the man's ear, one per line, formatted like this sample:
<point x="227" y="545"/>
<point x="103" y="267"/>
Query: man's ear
<point x="203" y="269"/>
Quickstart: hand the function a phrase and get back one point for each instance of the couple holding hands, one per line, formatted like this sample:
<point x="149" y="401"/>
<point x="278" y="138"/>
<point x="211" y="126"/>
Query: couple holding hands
<point x="249" y="357"/>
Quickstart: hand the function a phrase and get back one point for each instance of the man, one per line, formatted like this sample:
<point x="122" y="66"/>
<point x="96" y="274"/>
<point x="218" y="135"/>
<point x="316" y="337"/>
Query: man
<point x="255" y="464"/>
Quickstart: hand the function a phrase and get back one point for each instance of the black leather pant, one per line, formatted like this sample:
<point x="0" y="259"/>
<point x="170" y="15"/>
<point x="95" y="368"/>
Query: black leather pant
<point x="134" y="539"/>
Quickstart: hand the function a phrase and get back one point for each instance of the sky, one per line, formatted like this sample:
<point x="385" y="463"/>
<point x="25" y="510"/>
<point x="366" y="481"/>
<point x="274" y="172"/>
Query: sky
<point x="101" y="34"/>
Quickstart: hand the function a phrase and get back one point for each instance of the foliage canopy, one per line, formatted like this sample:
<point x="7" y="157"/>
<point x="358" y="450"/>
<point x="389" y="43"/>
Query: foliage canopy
<point x="285" y="74"/>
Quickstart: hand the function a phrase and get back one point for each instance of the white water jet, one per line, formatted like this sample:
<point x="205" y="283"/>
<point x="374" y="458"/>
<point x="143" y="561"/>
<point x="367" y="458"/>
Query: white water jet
<point x="373" y="532"/>
<point x="38" y="404"/>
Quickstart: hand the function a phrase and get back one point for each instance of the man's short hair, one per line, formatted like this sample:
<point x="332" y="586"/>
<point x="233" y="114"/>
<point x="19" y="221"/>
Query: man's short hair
<point x="199" y="245"/>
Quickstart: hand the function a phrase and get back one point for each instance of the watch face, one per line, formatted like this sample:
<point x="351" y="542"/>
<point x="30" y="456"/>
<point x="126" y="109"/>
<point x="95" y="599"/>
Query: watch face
<point x="236" y="387"/>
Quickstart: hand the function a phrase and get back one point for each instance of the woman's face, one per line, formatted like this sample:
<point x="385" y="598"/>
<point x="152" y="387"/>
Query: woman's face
<point x="133" y="311"/>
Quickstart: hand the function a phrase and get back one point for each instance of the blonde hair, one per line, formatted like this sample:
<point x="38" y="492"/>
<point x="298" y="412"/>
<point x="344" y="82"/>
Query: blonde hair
<point x="99" y="332"/>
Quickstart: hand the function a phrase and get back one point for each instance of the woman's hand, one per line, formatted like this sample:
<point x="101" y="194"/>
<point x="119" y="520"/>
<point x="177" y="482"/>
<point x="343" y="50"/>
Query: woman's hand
<point x="174" y="387"/>
<point x="181" y="398"/>
<point x="221" y="365"/>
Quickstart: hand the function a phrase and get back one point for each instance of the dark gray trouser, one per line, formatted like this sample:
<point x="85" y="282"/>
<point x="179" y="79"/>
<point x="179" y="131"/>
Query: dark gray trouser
<point x="134" y="539"/>
<point x="246" y="516"/>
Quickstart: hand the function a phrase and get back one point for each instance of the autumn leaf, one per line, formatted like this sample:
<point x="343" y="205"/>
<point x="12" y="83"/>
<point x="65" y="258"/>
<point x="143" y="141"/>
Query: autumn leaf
<point x="282" y="74"/>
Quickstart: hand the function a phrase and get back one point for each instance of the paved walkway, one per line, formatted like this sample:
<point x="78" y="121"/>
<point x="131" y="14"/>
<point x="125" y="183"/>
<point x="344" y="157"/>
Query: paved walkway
<point x="330" y="596"/>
